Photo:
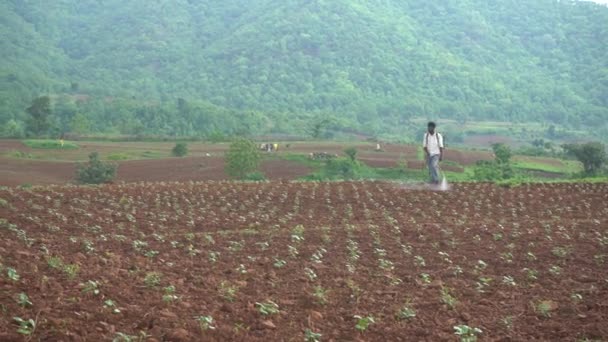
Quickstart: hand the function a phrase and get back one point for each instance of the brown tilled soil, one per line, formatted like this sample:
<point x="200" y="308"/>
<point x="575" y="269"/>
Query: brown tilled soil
<point x="521" y="264"/>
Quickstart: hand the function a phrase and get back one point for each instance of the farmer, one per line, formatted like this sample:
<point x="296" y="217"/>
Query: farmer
<point x="433" y="151"/>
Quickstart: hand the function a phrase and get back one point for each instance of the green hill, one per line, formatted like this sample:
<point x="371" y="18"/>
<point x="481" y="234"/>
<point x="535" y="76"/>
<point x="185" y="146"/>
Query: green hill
<point x="192" y="67"/>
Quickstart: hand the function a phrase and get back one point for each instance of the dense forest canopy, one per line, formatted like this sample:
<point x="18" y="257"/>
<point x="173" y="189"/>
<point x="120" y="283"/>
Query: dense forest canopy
<point x="202" y="67"/>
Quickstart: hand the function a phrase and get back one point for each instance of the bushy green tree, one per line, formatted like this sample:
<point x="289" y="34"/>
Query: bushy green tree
<point x="351" y="153"/>
<point x="498" y="169"/>
<point x="242" y="159"/>
<point x="592" y="155"/>
<point x="180" y="149"/>
<point x="39" y="112"/>
<point x="502" y="153"/>
<point x="95" y="171"/>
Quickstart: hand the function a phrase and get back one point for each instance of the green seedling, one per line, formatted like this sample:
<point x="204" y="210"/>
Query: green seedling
<point x="576" y="297"/>
<point x="406" y="312"/>
<point x="205" y="322"/>
<point x="544" y="308"/>
<point x="508" y="280"/>
<point x="561" y="252"/>
<point x="320" y="295"/>
<point x="169" y="295"/>
<point x="310" y="274"/>
<point x="110" y="304"/>
<point x="279" y="263"/>
<point x="12" y="274"/>
<point x="23" y="300"/>
<point x="26" y="327"/>
<point x="227" y="291"/>
<point x="311" y="336"/>
<point x="466" y="333"/>
<point x="363" y="323"/>
<point x="54" y="262"/>
<point x="555" y="270"/>
<point x="152" y="279"/>
<point x="213" y="256"/>
<point x="71" y="270"/>
<point x="447" y="298"/>
<point x="268" y="308"/>
<point x="91" y="286"/>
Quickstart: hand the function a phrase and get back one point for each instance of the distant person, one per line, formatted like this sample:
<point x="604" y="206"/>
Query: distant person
<point x="433" y="151"/>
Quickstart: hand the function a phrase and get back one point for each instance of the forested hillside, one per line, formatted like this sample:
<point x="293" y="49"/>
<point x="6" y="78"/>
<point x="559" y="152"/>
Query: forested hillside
<point x="198" y="67"/>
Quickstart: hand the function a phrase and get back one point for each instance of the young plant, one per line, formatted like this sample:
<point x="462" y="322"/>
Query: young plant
<point x="311" y="336"/>
<point x="205" y="322"/>
<point x="310" y="274"/>
<point x="466" y="333"/>
<point x="407" y="312"/>
<point x="152" y="279"/>
<point x="227" y="291"/>
<point x="508" y="280"/>
<point x="364" y="322"/>
<point x="507" y="322"/>
<point x="555" y="270"/>
<point x="91" y="286"/>
<point x="71" y="270"/>
<point x="320" y="295"/>
<point x="26" y="327"/>
<point x="279" y="263"/>
<point x="23" y="300"/>
<point x="12" y="274"/>
<point x="110" y="304"/>
<point x="268" y="308"/>
<point x="544" y="308"/>
<point x="447" y="298"/>
<point x="169" y="295"/>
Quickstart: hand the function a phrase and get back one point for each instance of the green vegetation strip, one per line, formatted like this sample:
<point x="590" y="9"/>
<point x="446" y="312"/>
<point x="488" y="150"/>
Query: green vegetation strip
<point x="50" y="144"/>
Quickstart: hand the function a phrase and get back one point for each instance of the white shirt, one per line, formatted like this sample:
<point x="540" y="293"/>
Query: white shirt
<point x="435" y="142"/>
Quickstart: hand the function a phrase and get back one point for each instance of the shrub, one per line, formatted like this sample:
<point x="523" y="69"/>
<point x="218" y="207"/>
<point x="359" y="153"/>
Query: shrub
<point x="255" y="176"/>
<point x="344" y="168"/>
<point x="95" y="171"/>
<point x="242" y="158"/>
<point x="351" y="153"/>
<point x="180" y="149"/>
<point x="592" y="155"/>
<point x="498" y="169"/>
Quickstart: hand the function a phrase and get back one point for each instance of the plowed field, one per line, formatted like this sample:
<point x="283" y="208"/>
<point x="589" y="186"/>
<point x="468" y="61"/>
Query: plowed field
<point x="283" y="261"/>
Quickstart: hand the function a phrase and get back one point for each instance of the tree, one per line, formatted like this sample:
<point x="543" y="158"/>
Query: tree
<point x="80" y="124"/>
<point x="39" y="111"/>
<point x="498" y="169"/>
<point x="242" y="158"/>
<point x="96" y="171"/>
<point x="180" y="149"/>
<point x="592" y="155"/>
<point x="351" y="153"/>
<point x="502" y="153"/>
<point x="317" y="127"/>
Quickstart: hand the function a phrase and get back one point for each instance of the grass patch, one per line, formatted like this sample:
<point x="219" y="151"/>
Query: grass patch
<point x="118" y="156"/>
<point x="50" y="144"/>
<point x="20" y="155"/>
<point x="567" y="166"/>
<point x="299" y="158"/>
<point x="152" y="155"/>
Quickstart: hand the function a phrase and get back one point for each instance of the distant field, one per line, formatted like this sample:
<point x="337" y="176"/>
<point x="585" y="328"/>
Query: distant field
<point x="152" y="161"/>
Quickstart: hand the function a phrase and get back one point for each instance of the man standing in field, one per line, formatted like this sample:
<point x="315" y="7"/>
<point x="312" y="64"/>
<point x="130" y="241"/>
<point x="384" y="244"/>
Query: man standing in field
<point x="433" y="151"/>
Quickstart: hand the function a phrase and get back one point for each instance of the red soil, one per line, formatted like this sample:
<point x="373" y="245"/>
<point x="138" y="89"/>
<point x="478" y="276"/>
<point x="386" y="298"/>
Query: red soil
<point x="118" y="234"/>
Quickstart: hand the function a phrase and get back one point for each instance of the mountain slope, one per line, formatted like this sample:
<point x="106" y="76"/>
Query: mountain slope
<point x="268" y="64"/>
